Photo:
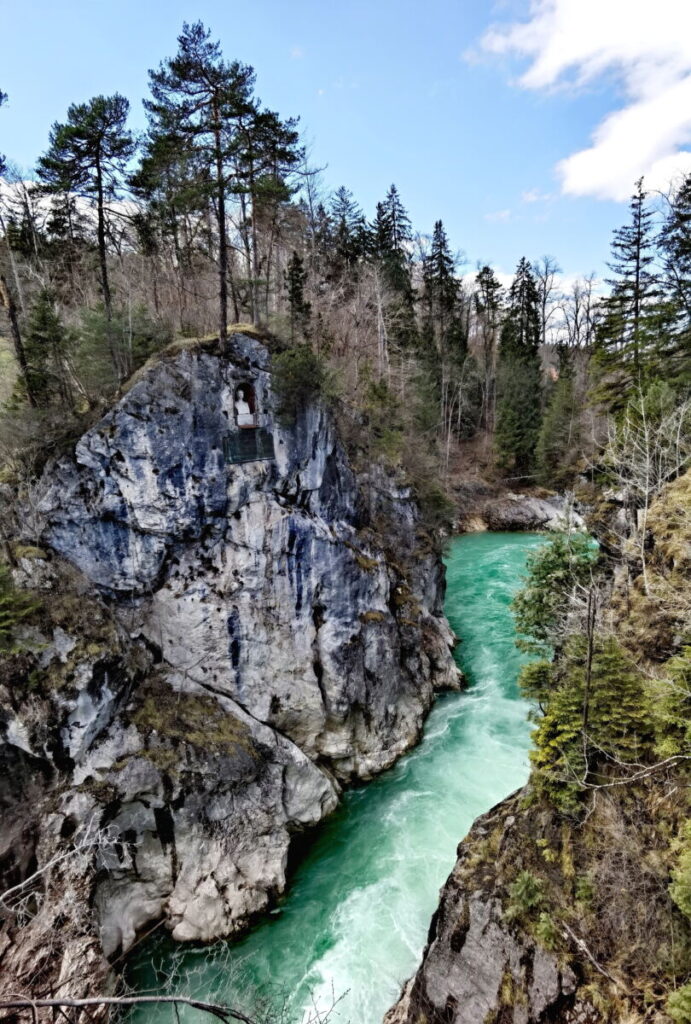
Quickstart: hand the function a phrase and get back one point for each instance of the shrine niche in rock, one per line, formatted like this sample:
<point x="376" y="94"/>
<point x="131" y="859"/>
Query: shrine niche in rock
<point x="250" y="441"/>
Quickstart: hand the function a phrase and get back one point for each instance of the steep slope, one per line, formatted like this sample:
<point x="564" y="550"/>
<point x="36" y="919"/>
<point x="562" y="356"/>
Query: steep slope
<point x="220" y="644"/>
<point x="574" y="911"/>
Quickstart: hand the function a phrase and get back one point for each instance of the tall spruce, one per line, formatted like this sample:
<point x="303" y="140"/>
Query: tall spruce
<point x="295" y="277"/>
<point x="443" y="328"/>
<point x="348" y="230"/>
<point x="630" y="322"/>
<point x="87" y="156"/>
<point x="390" y="244"/>
<point x="675" y="249"/>
<point x="519" y="398"/>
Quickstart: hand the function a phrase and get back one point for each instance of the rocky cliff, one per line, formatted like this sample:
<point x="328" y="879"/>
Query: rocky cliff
<point x="219" y="646"/>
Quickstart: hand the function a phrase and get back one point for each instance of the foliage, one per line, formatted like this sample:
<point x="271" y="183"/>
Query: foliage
<point x="679" y="1005"/>
<point x="672" y="706"/>
<point x="554" y="571"/>
<point x="518" y="413"/>
<point x="680" y="888"/>
<point x="15" y="605"/>
<point x="295" y="277"/>
<point x="526" y="894"/>
<point x="597" y="714"/>
<point x="558" y="440"/>
<point x="299" y="377"/>
<point x="546" y="931"/>
<point x="519" y="401"/>
<point x="536" y="681"/>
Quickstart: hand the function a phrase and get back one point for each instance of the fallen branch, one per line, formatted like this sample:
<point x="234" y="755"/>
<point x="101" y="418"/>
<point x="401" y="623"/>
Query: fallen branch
<point x="224" y="1013"/>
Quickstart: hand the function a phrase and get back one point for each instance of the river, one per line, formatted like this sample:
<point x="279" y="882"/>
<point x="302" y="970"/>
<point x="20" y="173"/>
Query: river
<point x="354" y="921"/>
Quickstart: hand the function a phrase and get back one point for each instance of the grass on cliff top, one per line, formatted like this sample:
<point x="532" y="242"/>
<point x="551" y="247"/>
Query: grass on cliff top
<point x="191" y="718"/>
<point x="205" y="343"/>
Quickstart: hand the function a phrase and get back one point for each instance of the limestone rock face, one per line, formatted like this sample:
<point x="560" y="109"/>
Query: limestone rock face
<point x="226" y="642"/>
<point x="479" y="967"/>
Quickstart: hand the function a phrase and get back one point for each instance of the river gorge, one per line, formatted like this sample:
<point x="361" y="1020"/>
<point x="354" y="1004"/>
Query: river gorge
<point x="358" y="906"/>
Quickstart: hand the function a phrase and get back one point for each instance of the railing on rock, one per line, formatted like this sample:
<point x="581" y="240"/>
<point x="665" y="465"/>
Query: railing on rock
<point x="249" y="445"/>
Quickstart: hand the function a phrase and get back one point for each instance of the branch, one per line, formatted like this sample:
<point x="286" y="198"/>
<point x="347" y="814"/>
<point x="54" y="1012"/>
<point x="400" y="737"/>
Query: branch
<point x="224" y="1013"/>
<point x="584" y="949"/>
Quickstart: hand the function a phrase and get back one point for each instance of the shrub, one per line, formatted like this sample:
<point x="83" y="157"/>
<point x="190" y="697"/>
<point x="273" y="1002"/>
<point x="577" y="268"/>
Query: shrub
<point x="671" y="706"/>
<point x="680" y="889"/>
<point x="619" y="723"/>
<point x="525" y="895"/>
<point x="299" y="377"/>
<point x="15" y="605"/>
<point x="540" y="608"/>
<point x="679" y="1005"/>
<point x="546" y="931"/>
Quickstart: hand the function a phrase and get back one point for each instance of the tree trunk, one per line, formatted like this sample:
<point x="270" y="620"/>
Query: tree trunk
<point x="8" y="302"/>
<point x="105" y="283"/>
<point x="222" y="239"/>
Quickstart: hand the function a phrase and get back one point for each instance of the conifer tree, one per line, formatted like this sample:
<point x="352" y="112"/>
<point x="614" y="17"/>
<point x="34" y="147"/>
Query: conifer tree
<point x="558" y="438"/>
<point x="675" y="247"/>
<point x="390" y="239"/>
<point x="46" y="342"/>
<point x="295" y="277"/>
<point x="443" y="327"/>
<point x="87" y="156"/>
<point x="518" y="378"/>
<point x="630" y="322"/>
<point x="198" y="100"/>
<point x="349" y="230"/>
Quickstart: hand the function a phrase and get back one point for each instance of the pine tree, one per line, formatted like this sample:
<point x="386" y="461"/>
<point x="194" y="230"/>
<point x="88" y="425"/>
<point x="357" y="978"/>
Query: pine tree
<point x="443" y="327"/>
<point x="46" y="343"/>
<point x="295" y="277"/>
<point x="87" y="156"/>
<point x="519" y="397"/>
<point x="558" y="438"/>
<point x="349" y="230"/>
<point x="675" y="247"/>
<point x="488" y="301"/>
<point x="390" y="238"/>
<point x="630" y="323"/>
<point x="198" y="100"/>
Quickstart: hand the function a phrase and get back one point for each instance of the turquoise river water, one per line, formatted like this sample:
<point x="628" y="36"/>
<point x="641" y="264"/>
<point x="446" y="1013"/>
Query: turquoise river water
<point x="354" y="921"/>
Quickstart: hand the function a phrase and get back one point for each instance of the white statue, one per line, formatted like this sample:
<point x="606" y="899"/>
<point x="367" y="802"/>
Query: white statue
<point x="244" y="416"/>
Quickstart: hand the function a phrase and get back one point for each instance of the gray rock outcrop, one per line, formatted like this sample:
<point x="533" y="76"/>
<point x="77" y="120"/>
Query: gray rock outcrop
<point x="223" y="645"/>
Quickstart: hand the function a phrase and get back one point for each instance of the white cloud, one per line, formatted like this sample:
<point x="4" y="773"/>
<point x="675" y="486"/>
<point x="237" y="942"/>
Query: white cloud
<point x="647" y="48"/>
<point x="297" y="53"/>
<point x="498" y="216"/>
<point x="534" y="195"/>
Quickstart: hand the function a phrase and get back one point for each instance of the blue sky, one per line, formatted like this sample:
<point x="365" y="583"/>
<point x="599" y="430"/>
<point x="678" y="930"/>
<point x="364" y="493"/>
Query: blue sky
<point x="482" y="114"/>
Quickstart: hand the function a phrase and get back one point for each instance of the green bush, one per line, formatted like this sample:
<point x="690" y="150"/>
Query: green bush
<point x="541" y="606"/>
<point x="619" y="723"/>
<point x="525" y="895"/>
<point x="680" y="889"/>
<point x="679" y="1005"/>
<point x="299" y="377"/>
<point x="671" y="706"/>
<point x="546" y="931"/>
<point x="15" y="605"/>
